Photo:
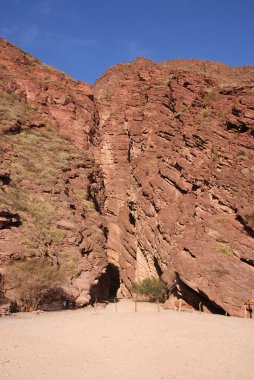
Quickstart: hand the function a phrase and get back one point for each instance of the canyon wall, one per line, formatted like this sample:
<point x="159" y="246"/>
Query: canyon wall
<point x="148" y="173"/>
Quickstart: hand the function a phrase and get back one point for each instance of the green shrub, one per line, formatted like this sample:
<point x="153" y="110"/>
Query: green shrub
<point x="152" y="288"/>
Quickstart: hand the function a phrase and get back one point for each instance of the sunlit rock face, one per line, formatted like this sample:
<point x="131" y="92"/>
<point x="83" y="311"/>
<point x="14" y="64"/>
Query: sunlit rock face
<point x="148" y="173"/>
<point x="48" y="175"/>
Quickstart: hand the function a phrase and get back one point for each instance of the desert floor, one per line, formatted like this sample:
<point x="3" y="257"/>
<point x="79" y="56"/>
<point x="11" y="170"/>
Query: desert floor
<point x="96" y="344"/>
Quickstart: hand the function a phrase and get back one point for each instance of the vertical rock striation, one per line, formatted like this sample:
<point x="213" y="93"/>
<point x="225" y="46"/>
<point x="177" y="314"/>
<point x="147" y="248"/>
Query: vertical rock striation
<point x="148" y="173"/>
<point x="176" y="150"/>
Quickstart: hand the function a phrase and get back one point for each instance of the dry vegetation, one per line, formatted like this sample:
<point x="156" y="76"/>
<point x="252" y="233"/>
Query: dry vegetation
<point x="13" y="112"/>
<point x="39" y="158"/>
<point x="32" y="279"/>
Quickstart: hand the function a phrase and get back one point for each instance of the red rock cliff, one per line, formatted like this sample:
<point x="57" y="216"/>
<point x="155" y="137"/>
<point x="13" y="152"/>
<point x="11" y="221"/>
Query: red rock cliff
<point x="176" y="150"/>
<point x="47" y="174"/>
<point x="158" y="180"/>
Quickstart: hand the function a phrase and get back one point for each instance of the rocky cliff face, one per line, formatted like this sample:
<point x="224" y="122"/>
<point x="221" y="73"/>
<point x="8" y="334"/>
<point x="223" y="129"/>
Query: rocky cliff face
<point x="149" y="173"/>
<point x="47" y="174"/>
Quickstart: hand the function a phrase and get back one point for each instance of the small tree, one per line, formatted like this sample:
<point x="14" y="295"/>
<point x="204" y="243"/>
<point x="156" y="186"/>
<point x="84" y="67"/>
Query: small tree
<point x="32" y="279"/>
<point x="152" y="288"/>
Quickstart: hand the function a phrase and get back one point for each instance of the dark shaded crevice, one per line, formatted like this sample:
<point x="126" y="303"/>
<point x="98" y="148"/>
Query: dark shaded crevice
<point x="96" y="205"/>
<point x="172" y="182"/>
<point x="90" y="96"/>
<point x="169" y="106"/>
<point x="86" y="251"/>
<point x="194" y="187"/>
<point x="241" y="128"/>
<point x="93" y="191"/>
<point x="189" y="252"/>
<point x="178" y="167"/>
<point x="5" y="179"/>
<point x="8" y="220"/>
<point x="114" y="279"/>
<point x="56" y="299"/>
<point x="247" y="261"/>
<point x="220" y="203"/>
<point x="107" y="285"/>
<point x="196" y="299"/>
<point x="200" y="143"/>
<point x="157" y="267"/>
<point x="129" y="147"/>
<point x="33" y="126"/>
<point x="166" y="135"/>
<point x="94" y="137"/>
<point x="246" y="227"/>
<point x="105" y="231"/>
<point x="236" y="112"/>
<point x="132" y="219"/>
<point x="211" y="305"/>
<point x="15" y="130"/>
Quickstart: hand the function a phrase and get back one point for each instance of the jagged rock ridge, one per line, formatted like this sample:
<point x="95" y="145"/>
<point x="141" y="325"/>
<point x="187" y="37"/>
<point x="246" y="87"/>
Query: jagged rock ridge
<point x="156" y="178"/>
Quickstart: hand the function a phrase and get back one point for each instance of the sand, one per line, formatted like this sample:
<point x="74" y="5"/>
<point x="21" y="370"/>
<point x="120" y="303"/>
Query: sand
<point x="100" y="344"/>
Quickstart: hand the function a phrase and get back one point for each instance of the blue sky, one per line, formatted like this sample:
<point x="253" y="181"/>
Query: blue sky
<point x="84" y="38"/>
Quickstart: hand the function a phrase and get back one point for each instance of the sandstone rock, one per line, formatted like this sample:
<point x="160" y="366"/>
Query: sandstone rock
<point x="173" y="143"/>
<point x="148" y="173"/>
<point x="66" y="225"/>
<point x="45" y="166"/>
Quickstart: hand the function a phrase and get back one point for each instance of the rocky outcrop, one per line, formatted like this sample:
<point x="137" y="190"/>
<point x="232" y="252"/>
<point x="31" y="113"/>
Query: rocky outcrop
<point x="47" y="174"/>
<point x="149" y="173"/>
<point x="176" y="150"/>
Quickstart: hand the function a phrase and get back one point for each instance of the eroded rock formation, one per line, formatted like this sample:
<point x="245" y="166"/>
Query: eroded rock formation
<point x="47" y="174"/>
<point x="149" y="173"/>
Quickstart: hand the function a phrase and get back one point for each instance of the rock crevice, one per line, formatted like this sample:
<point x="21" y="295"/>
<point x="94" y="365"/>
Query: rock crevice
<point x="147" y="173"/>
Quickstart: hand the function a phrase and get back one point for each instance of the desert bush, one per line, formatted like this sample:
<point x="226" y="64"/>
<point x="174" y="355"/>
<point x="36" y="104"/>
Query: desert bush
<point x="245" y="171"/>
<point x="241" y="152"/>
<point x="222" y="221"/>
<point x="12" y="109"/>
<point x="69" y="261"/>
<point x="215" y="154"/>
<point x="205" y="112"/>
<point x="242" y="155"/>
<point x="32" y="279"/>
<point x="210" y="96"/>
<point x="39" y="237"/>
<point x="88" y="205"/>
<point x="152" y="288"/>
<point x="39" y="228"/>
<point x="225" y="249"/>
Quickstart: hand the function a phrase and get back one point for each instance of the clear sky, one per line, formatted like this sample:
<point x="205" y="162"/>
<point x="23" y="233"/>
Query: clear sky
<point x="83" y="38"/>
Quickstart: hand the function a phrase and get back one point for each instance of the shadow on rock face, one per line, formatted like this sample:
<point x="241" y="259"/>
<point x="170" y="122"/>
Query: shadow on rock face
<point x="196" y="300"/>
<point x="55" y="300"/>
<point x="107" y="286"/>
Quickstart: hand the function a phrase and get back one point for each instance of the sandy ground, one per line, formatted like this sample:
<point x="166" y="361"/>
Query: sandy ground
<point x="91" y="344"/>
